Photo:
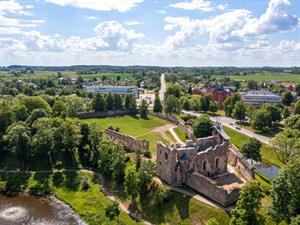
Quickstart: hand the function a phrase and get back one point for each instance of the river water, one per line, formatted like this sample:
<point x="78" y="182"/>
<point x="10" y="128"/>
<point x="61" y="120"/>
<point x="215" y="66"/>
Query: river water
<point x="30" y="210"/>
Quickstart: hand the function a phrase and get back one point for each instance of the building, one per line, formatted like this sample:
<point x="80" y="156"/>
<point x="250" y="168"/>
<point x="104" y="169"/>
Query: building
<point x="203" y="166"/>
<point x="289" y="86"/>
<point x="259" y="97"/>
<point x="220" y="94"/>
<point x="122" y="90"/>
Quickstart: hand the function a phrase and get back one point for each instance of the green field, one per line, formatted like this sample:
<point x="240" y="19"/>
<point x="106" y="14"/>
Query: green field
<point x="238" y="139"/>
<point x="134" y="126"/>
<point x="284" y="77"/>
<point x="66" y="186"/>
<point x="180" y="134"/>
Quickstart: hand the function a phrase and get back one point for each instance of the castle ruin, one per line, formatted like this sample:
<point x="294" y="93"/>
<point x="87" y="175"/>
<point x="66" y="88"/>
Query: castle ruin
<point x="208" y="165"/>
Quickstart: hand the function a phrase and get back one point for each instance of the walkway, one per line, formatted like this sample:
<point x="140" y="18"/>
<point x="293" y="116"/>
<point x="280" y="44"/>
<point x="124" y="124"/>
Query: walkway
<point x="227" y="121"/>
<point x="178" y="140"/>
<point x="162" y="87"/>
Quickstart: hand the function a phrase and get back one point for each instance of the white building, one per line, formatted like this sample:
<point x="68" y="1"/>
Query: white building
<point x="259" y="97"/>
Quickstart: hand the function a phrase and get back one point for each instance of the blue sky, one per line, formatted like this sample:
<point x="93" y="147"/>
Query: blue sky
<point x="150" y="32"/>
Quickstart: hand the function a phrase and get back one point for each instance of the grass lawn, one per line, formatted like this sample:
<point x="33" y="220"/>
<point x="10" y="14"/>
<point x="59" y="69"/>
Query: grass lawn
<point x="153" y="138"/>
<point x="89" y="204"/>
<point x="129" y="125"/>
<point x="183" y="210"/>
<point x="284" y="77"/>
<point x="238" y="139"/>
<point x="180" y="134"/>
<point x="276" y="128"/>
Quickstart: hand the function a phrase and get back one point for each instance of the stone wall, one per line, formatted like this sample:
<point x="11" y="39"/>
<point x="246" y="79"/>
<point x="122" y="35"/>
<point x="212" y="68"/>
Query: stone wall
<point x="130" y="143"/>
<point x="210" y="189"/>
<point x="238" y="161"/>
<point x="169" y="118"/>
<point x="188" y="130"/>
<point x="110" y="113"/>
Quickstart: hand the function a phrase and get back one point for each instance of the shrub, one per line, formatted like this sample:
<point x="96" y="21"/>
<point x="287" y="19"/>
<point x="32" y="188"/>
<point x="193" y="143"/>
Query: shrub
<point x="147" y="153"/>
<point x="84" y="184"/>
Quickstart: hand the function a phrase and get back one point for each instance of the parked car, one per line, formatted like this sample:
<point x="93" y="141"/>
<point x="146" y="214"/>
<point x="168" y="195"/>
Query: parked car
<point x="238" y="128"/>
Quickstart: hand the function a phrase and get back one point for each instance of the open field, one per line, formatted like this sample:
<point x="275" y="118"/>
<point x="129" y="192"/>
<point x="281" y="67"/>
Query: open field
<point x="238" y="139"/>
<point x="137" y="127"/>
<point x="47" y="74"/>
<point x="284" y="77"/>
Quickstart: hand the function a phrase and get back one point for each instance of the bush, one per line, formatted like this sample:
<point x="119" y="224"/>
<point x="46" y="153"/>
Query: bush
<point x="84" y="184"/>
<point x="57" y="178"/>
<point x="147" y="153"/>
<point x="162" y="196"/>
<point x="58" y="165"/>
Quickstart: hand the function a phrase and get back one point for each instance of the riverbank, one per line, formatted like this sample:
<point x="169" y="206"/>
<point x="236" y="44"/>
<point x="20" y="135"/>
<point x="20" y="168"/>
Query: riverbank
<point x="80" y="190"/>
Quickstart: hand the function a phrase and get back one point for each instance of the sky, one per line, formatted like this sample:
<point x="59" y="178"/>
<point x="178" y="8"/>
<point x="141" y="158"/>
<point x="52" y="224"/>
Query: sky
<point x="150" y="32"/>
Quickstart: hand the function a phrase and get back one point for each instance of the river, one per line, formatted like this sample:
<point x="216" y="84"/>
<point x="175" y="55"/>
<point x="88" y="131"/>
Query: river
<point x="30" y="210"/>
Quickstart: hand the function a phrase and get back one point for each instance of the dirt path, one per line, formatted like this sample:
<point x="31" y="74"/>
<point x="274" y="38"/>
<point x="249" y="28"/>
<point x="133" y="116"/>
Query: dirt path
<point x="175" y="135"/>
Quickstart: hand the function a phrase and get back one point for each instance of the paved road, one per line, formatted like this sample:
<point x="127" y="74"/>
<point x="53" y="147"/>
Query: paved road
<point x="226" y="121"/>
<point x="162" y="87"/>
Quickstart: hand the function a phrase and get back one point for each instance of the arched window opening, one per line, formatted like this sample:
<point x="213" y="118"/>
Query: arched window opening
<point x="204" y="166"/>
<point x="217" y="162"/>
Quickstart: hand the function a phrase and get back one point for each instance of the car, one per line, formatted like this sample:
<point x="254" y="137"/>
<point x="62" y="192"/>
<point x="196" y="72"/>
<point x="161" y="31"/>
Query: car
<point x="238" y="128"/>
<point x="231" y="123"/>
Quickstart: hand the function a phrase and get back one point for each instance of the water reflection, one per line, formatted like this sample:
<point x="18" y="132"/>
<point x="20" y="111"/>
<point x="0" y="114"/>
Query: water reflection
<point x="29" y="210"/>
<point x="266" y="169"/>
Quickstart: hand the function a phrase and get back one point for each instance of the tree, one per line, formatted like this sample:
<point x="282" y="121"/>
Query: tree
<point x="74" y="105"/>
<point x="285" y="192"/>
<point x="287" y="144"/>
<point x="251" y="149"/>
<point x="131" y="183"/>
<point x="18" y="137"/>
<point x="34" y="102"/>
<point x="252" y="84"/>
<point x="190" y="90"/>
<point x="287" y="98"/>
<point x="172" y="105"/>
<point x="239" y="111"/>
<point x="274" y="111"/>
<point x="285" y="112"/>
<point x="297" y="107"/>
<point x="246" y="210"/>
<point x="203" y="126"/>
<point x="261" y="120"/>
<point x="43" y="139"/>
<point x="109" y="101"/>
<point x="112" y="211"/>
<point x="230" y="102"/>
<point x="174" y="89"/>
<point x="118" y="102"/>
<point x="127" y="101"/>
<point x="70" y="131"/>
<point x="157" y="104"/>
<point x="205" y="102"/>
<point x="293" y="122"/>
<point x="295" y="220"/>
<point x="59" y="109"/>
<point x="36" y="114"/>
<point x="132" y="106"/>
<point x="94" y="139"/>
<point x="144" y="109"/>
<point x="145" y="174"/>
<point x="99" y="103"/>
<point x="298" y="90"/>
<point x="213" y="107"/>
<point x="20" y="112"/>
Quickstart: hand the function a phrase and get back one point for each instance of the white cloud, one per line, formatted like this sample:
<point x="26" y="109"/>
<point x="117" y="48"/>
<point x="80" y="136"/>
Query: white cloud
<point x="92" y="18"/>
<point x="161" y="12"/>
<point x="234" y="29"/>
<point x="201" y="5"/>
<point x="222" y="6"/>
<point x="100" y="5"/>
<point x="276" y="18"/>
<point x="132" y="23"/>
<point x="12" y="6"/>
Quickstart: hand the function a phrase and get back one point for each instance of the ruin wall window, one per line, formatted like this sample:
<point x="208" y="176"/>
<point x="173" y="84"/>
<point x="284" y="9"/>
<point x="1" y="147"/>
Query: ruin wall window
<point x="217" y="162"/>
<point x="166" y="156"/>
